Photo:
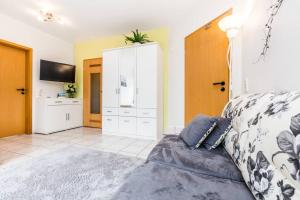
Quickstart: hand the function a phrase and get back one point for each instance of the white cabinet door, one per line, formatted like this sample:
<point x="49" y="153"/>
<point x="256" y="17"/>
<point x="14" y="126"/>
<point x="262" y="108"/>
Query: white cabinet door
<point x="127" y="79"/>
<point x="74" y="116"/>
<point x="110" y="79"/>
<point x="147" y="63"/>
<point x="56" y="119"/>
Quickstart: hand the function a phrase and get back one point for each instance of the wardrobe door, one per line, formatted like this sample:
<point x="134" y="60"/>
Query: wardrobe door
<point x="110" y="79"/>
<point x="147" y="63"/>
<point x="127" y="79"/>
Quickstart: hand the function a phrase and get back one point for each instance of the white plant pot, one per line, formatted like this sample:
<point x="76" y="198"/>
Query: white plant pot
<point x="136" y="44"/>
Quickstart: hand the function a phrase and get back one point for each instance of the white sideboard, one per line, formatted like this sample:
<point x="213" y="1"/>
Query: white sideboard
<point x="133" y="92"/>
<point x="58" y="114"/>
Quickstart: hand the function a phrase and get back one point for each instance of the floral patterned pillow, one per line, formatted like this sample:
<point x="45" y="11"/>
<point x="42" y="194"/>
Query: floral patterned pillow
<point x="267" y="150"/>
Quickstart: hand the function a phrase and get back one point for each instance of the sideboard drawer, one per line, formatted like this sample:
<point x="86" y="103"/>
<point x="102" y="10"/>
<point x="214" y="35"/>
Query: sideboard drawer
<point x="128" y="112"/>
<point x="127" y="125"/>
<point x="146" y="113"/>
<point x="110" y="111"/>
<point x="110" y="123"/>
<point x="146" y="127"/>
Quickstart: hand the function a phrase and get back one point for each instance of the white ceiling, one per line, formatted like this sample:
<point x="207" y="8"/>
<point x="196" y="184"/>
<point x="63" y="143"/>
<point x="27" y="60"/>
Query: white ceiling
<point x="93" y="18"/>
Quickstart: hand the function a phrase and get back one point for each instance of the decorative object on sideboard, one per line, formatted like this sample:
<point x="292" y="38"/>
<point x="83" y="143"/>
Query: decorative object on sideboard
<point x="137" y="38"/>
<point x="71" y="90"/>
<point x="274" y="9"/>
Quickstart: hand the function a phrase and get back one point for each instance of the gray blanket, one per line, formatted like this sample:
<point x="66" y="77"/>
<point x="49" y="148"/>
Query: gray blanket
<point x="176" y="172"/>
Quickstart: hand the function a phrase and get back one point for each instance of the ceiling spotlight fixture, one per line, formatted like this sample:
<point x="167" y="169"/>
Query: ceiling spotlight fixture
<point x="46" y="16"/>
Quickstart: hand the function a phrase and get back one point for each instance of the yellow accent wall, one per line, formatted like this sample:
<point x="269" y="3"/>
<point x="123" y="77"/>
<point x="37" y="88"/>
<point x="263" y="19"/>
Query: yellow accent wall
<point x="94" y="48"/>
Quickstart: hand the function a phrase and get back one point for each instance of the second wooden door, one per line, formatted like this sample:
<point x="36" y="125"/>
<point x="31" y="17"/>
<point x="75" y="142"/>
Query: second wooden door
<point x="206" y="71"/>
<point x="92" y="93"/>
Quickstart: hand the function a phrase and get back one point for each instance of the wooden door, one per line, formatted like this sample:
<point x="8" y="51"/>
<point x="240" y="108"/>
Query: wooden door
<point x="12" y="96"/>
<point x="92" y="93"/>
<point x="205" y="68"/>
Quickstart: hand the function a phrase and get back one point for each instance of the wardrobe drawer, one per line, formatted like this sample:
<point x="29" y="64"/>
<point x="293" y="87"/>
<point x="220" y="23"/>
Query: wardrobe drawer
<point x="127" y="125"/>
<point x="110" y="123"/>
<point x="146" y="113"/>
<point x="130" y="112"/>
<point x="110" y="111"/>
<point x="146" y="127"/>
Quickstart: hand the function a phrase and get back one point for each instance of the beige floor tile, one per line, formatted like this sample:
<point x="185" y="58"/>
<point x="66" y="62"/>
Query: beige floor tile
<point x="14" y="159"/>
<point x="144" y="154"/>
<point x="24" y="147"/>
<point x="133" y="149"/>
<point x="104" y="149"/>
<point x="144" y="143"/>
<point x="4" y="143"/>
<point x="127" y="154"/>
<point x="40" y="152"/>
<point x="13" y="147"/>
<point x="6" y="155"/>
<point x="12" y="138"/>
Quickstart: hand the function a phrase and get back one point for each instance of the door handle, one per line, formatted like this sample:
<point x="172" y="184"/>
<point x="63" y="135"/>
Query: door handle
<point x="22" y="90"/>
<point x="219" y="83"/>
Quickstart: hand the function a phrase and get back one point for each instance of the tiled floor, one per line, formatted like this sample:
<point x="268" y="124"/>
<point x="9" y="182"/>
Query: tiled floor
<point x="21" y="147"/>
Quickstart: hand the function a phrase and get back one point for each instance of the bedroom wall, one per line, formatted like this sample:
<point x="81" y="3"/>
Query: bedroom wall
<point x="44" y="46"/>
<point x="280" y="68"/>
<point x="93" y="49"/>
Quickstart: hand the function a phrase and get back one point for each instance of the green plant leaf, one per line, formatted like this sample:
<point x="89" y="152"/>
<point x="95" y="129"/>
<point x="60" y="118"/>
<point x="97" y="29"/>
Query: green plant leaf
<point x="137" y="37"/>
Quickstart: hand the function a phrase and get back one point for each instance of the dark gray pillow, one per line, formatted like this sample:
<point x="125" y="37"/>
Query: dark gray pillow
<point x="198" y="130"/>
<point x="218" y="134"/>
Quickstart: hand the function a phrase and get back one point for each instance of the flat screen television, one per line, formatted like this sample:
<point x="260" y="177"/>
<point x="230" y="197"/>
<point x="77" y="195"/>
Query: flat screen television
<point x="53" y="71"/>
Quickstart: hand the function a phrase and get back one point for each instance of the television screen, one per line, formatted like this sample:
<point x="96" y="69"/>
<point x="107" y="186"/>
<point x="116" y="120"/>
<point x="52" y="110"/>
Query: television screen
<point x="53" y="71"/>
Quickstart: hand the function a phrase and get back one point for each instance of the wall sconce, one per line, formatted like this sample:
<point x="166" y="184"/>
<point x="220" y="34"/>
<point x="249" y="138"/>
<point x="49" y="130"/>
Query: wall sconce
<point x="230" y="25"/>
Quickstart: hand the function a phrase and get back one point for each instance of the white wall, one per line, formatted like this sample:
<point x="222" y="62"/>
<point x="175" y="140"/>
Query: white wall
<point x="194" y="20"/>
<point x="44" y="46"/>
<point x="281" y="68"/>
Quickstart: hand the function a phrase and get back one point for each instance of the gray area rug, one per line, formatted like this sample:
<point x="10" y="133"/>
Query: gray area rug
<point x="68" y="174"/>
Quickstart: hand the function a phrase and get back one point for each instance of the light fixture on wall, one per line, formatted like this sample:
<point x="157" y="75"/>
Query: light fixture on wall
<point x="231" y="26"/>
<point x="47" y="16"/>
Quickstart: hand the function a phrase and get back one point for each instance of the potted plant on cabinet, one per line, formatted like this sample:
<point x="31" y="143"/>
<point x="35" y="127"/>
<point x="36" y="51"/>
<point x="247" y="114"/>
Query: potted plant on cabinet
<point x="137" y="38"/>
<point x="70" y="90"/>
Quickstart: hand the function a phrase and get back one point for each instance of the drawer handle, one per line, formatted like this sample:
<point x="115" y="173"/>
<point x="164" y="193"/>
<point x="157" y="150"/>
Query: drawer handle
<point x="146" y="122"/>
<point x="145" y="113"/>
<point x="126" y="112"/>
<point x="109" y="120"/>
<point x="75" y="101"/>
<point x="109" y="111"/>
<point x="58" y="101"/>
<point x="126" y="121"/>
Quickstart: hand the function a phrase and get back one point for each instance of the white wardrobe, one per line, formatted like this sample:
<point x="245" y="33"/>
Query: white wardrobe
<point x="133" y="92"/>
